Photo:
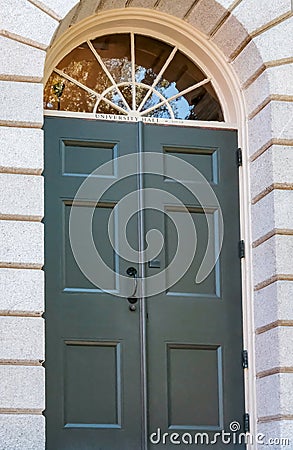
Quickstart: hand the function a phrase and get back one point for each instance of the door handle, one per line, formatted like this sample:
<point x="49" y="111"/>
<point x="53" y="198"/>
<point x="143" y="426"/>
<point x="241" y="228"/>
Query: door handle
<point x="132" y="299"/>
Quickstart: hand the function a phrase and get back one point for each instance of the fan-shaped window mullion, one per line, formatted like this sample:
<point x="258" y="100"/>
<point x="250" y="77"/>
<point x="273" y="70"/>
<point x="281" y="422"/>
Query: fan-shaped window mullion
<point x="100" y="61"/>
<point x="133" y="72"/>
<point x="174" y="97"/>
<point x="90" y="91"/>
<point x="134" y="75"/>
<point x="157" y="79"/>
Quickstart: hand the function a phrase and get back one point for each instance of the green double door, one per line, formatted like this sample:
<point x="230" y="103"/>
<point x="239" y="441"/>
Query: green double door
<point x="121" y="373"/>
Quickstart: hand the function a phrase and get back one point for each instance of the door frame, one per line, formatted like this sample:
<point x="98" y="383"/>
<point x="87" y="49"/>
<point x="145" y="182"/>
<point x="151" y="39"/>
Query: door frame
<point x="204" y="53"/>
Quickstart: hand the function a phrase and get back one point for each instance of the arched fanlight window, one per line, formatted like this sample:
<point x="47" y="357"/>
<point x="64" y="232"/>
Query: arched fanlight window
<point x="132" y="74"/>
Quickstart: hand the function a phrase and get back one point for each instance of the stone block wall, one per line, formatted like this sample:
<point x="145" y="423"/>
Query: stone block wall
<point x="254" y="36"/>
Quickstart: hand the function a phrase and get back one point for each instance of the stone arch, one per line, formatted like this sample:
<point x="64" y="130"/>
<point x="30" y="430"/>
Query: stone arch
<point x="243" y="38"/>
<point x="230" y="31"/>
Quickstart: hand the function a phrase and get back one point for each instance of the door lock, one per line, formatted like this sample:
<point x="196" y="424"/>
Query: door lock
<point x="131" y="272"/>
<point x="132" y="299"/>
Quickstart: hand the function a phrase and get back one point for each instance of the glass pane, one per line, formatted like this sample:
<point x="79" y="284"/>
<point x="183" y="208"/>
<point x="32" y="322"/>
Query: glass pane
<point x="72" y="98"/>
<point x="181" y="74"/>
<point x="200" y="104"/>
<point x="115" y="97"/>
<point x="82" y="65"/>
<point x="162" y="113"/>
<point x="105" y="108"/>
<point x="151" y="101"/>
<point x="115" y="52"/>
<point x="140" y="94"/>
<point x="150" y="56"/>
<point x="126" y="91"/>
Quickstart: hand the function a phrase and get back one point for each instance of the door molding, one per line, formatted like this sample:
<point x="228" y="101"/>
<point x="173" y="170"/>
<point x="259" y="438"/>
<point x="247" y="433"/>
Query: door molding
<point x="204" y="53"/>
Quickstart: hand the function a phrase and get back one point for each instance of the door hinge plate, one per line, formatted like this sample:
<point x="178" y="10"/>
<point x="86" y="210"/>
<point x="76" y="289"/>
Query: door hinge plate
<point x="241" y="249"/>
<point x="239" y="157"/>
<point x="246" y="423"/>
<point x="245" y="359"/>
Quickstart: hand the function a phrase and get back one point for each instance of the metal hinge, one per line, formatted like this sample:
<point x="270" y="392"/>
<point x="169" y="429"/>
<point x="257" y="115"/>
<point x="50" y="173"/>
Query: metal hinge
<point x="246" y="423"/>
<point x="241" y="249"/>
<point x="239" y="157"/>
<point x="245" y="359"/>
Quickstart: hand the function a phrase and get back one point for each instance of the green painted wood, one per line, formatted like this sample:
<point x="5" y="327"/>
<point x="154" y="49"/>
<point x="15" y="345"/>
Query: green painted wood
<point x="194" y="331"/>
<point x="195" y="374"/>
<point x="92" y="339"/>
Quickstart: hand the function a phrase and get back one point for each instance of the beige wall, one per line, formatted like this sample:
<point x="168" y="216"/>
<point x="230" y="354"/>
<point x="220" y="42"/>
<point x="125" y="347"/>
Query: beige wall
<point x="254" y="37"/>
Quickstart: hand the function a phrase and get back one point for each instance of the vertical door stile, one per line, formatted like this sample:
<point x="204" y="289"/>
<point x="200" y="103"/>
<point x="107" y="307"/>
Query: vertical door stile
<point x="143" y="337"/>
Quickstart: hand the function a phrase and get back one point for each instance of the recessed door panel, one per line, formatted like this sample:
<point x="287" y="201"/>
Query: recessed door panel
<point x="205" y="160"/>
<point x="92" y="384"/>
<point x="74" y="279"/>
<point x="81" y="158"/>
<point x="203" y="222"/>
<point x="195" y="390"/>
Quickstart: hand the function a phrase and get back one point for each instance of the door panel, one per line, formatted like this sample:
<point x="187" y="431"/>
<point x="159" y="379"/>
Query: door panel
<point x="94" y="344"/>
<point x="195" y="375"/>
<point x="197" y="361"/>
<point x="74" y="279"/>
<point x="94" y="370"/>
<point x="205" y="160"/>
<point x="210" y="287"/>
<point x="75" y="163"/>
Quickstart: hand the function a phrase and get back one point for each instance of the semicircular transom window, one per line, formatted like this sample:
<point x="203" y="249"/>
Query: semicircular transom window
<point x="135" y="75"/>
